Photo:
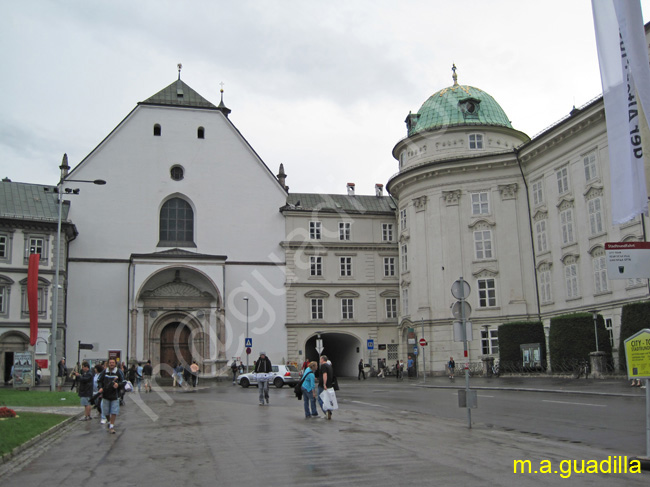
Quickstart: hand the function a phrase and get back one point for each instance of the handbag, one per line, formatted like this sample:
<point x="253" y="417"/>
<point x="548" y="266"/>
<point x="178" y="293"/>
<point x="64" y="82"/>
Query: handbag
<point x="329" y="400"/>
<point x="297" y="389"/>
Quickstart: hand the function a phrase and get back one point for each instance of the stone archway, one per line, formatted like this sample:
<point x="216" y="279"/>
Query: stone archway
<point x="10" y="342"/>
<point x="343" y="349"/>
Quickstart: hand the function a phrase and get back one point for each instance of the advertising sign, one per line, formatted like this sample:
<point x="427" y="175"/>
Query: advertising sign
<point x="23" y="375"/>
<point x="628" y="260"/>
<point x="637" y="355"/>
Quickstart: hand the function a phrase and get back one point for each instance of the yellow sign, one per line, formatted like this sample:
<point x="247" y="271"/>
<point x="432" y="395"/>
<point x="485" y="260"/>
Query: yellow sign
<point x="637" y="355"/>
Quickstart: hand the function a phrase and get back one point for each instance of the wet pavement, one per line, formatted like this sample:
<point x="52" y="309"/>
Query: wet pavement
<point x="218" y="434"/>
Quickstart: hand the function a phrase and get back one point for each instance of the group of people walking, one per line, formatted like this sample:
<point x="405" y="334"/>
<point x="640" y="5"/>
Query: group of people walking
<point x="311" y="392"/>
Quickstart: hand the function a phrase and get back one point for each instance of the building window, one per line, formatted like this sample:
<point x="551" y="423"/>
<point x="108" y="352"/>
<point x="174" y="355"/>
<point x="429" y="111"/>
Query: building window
<point x="595" y="216"/>
<point x="566" y="223"/>
<point x="200" y="133"/>
<point x="347" y="308"/>
<point x="314" y="230"/>
<point x="157" y="130"/>
<point x="315" y="266"/>
<point x="344" y="230"/>
<point x="487" y="293"/>
<point x="483" y="244"/>
<point x="540" y="231"/>
<point x="480" y="203"/>
<point x="538" y="193"/>
<point x="36" y="244"/>
<point x="490" y="341"/>
<point x="4" y="298"/>
<point x="177" y="173"/>
<point x="389" y="266"/>
<point x="42" y="298"/>
<point x="402" y="219"/>
<point x="346" y="266"/>
<point x="562" y="180"/>
<point x="475" y="141"/>
<point x="317" y="308"/>
<point x="387" y="232"/>
<point x="545" y="289"/>
<point x="176" y="224"/>
<point x="404" y="256"/>
<point x="393" y="351"/>
<point x="600" y="273"/>
<point x="405" y="301"/>
<point x="591" y="171"/>
<point x="571" y="280"/>
<point x="4" y="247"/>
<point x="391" y="307"/>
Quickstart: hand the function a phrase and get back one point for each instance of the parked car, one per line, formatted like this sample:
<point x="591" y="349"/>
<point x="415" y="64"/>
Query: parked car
<point x="282" y="374"/>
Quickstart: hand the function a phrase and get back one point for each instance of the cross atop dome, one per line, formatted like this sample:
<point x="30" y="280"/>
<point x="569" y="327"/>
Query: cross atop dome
<point x="454" y="76"/>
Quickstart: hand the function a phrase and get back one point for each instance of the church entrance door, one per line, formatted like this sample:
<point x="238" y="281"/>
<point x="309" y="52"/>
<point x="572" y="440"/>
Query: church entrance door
<point x="174" y="347"/>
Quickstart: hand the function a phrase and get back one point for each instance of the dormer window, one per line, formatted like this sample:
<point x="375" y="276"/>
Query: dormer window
<point x="470" y="107"/>
<point x="475" y="141"/>
<point x="200" y="133"/>
<point x="157" y="130"/>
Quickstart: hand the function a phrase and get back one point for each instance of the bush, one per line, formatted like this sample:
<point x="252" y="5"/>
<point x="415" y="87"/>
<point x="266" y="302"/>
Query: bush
<point x="571" y="338"/>
<point x="633" y="319"/>
<point x="512" y="335"/>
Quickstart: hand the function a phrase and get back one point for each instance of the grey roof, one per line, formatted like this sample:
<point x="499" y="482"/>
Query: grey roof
<point x="23" y="201"/>
<point x="177" y="253"/>
<point x="170" y="96"/>
<point x="339" y="203"/>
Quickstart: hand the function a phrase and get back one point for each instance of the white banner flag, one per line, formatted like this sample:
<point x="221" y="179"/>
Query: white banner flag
<point x="623" y="58"/>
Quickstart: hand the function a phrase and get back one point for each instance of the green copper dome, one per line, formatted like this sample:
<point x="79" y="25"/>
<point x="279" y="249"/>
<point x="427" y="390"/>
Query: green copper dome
<point x="457" y="105"/>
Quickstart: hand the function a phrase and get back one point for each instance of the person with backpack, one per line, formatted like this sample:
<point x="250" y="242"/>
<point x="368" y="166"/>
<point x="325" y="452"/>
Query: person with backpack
<point x="110" y="381"/>
<point x="308" y="388"/>
<point x="85" y="379"/>
<point x="263" y="372"/>
<point x="233" y="367"/>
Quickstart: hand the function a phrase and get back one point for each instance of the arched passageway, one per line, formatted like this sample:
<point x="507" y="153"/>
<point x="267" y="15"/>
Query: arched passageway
<point x="342" y="349"/>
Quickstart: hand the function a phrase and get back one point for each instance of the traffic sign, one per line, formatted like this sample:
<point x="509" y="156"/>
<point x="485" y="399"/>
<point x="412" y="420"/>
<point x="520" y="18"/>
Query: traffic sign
<point x="248" y="351"/>
<point x="423" y="342"/>
<point x="460" y="289"/>
<point x="459" y="308"/>
<point x="248" y="342"/>
<point x="415" y="350"/>
<point x="371" y="344"/>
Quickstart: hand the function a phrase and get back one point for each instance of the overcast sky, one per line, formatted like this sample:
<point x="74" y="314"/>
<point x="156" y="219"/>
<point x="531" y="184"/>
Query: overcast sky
<point x="321" y="86"/>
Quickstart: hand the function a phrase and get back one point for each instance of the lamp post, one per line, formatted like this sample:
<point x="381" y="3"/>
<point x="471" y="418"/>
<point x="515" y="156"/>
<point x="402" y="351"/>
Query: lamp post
<point x="595" y="315"/>
<point x="57" y="265"/>
<point x="248" y="354"/>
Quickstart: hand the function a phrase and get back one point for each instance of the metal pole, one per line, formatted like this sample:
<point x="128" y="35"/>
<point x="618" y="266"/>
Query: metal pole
<point x="248" y="354"/>
<point x="595" y="314"/>
<point x="424" y="360"/>
<point x="466" y="354"/>
<point x="55" y="294"/>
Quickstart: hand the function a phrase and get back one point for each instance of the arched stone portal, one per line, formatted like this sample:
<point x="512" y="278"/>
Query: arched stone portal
<point x="344" y="351"/>
<point x="174" y="347"/>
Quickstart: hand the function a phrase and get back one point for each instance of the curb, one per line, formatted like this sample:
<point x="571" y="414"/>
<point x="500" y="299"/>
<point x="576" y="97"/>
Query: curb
<point x="7" y="457"/>
<point x="524" y="389"/>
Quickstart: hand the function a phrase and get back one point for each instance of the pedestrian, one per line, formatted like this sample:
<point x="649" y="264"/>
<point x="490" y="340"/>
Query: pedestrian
<point x="361" y="371"/>
<point x="398" y="370"/>
<point x="325" y="382"/>
<point x="452" y="367"/>
<point x="382" y="368"/>
<point x="73" y="376"/>
<point x="305" y="364"/>
<point x="62" y="372"/>
<point x="132" y="373"/>
<point x="409" y="367"/>
<point x="241" y="367"/>
<point x="309" y="390"/>
<point x="138" y="376"/>
<point x="178" y="374"/>
<point x="194" y="369"/>
<point x="110" y="381"/>
<point x="147" y="372"/>
<point x="263" y="371"/>
<point x="233" y="367"/>
<point x="97" y="396"/>
<point x="85" y="380"/>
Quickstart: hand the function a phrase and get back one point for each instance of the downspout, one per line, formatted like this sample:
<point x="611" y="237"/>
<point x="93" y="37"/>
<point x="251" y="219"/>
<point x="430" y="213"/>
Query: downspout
<point x="128" y="308"/>
<point x="532" y="236"/>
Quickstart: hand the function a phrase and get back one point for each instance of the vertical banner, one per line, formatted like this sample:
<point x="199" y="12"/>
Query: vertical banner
<point x="32" y="297"/>
<point x="625" y="74"/>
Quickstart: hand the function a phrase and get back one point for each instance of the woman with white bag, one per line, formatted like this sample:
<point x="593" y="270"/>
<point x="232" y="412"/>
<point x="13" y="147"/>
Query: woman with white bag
<point x="326" y="394"/>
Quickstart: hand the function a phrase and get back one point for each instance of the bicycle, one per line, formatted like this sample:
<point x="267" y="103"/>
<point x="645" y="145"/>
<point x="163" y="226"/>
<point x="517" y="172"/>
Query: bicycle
<point x="495" y="369"/>
<point x="583" y="368"/>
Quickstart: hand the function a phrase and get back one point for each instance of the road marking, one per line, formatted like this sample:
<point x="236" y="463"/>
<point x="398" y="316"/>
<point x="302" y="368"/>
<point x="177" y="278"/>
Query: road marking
<point x="577" y="403"/>
<point x="369" y="404"/>
<point x="478" y="395"/>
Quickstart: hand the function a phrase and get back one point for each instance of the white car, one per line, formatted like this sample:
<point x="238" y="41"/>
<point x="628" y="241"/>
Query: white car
<point x="281" y="375"/>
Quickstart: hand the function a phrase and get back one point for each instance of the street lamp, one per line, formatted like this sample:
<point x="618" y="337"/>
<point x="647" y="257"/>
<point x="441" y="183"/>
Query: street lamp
<point x="57" y="266"/>
<point x="247" y="354"/>
<point x="595" y="315"/>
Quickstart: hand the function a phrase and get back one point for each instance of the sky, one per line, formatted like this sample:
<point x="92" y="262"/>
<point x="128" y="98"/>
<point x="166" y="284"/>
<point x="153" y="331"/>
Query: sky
<point x="320" y="86"/>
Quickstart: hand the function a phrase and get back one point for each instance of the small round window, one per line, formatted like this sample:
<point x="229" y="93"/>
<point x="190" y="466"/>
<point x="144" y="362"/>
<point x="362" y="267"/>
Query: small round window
<point x="177" y="173"/>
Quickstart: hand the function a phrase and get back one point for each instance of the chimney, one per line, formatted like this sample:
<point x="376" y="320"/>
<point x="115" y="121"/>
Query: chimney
<point x="379" y="190"/>
<point x="350" y="189"/>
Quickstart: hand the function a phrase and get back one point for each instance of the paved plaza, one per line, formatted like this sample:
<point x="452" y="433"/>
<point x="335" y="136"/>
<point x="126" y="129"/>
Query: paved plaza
<point x="219" y="435"/>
